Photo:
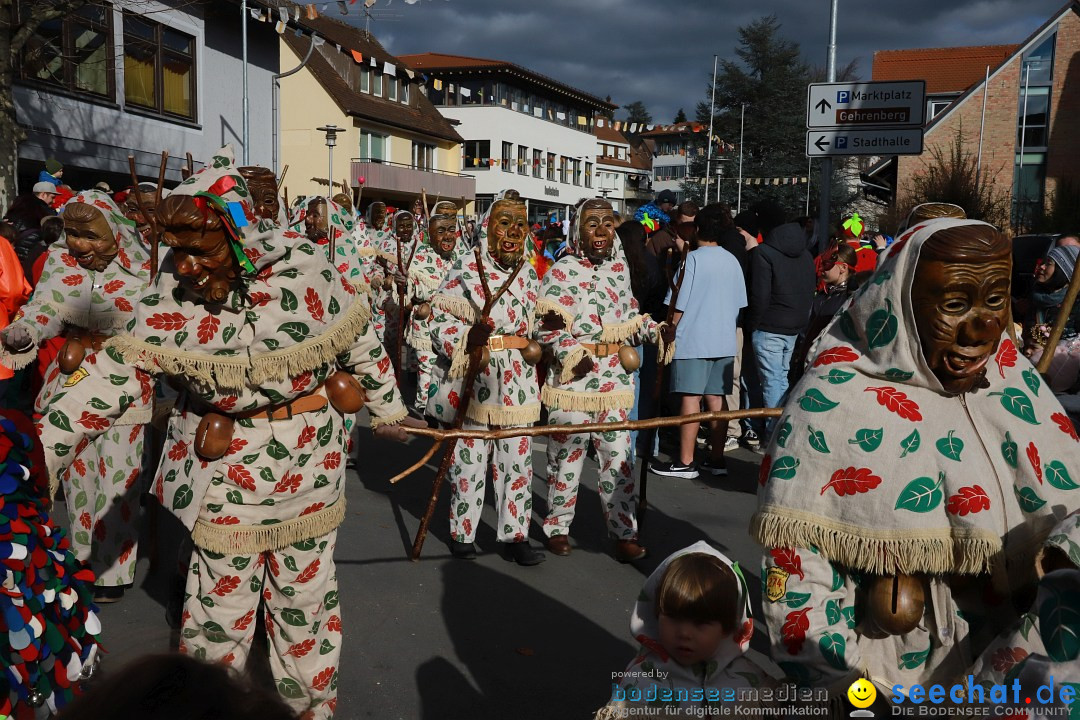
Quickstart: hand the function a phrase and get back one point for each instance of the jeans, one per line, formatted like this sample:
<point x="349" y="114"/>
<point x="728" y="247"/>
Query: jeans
<point x="644" y="383"/>
<point x="773" y="355"/>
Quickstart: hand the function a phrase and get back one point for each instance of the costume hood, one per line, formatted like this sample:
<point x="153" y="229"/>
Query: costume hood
<point x="789" y="239"/>
<point x="132" y="255"/>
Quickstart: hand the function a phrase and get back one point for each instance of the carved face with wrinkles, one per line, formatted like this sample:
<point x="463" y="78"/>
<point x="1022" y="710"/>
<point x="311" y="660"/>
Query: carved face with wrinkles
<point x="442" y="235"/>
<point x="200" y="248"/>
<point x="596" y="230"/>
<point x="507" y="230"/>
<point x="90" y="240"/>
<point x="144" y="197"/>
<point x="315" y="221"/>
<point x="262" y="184"/>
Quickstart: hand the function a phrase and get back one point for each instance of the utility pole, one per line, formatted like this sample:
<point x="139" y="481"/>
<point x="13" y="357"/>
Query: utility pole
<point x="826" y="162"/>
<point x="244" y="60"/>
<point x="712" y="111"/>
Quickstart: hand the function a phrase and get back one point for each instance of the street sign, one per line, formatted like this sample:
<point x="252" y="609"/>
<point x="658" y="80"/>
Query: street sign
<point x="864" y="141"/>
<point x="872" y="104"/>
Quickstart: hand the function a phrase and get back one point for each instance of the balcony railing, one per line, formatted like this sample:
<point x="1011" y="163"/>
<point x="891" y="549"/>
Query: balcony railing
<point x="398" y="177"/>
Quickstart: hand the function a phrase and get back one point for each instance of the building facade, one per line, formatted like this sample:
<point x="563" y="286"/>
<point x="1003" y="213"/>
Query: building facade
<point x="623" y="169"/>
<point x="673" y="150"/>
<point x="521" y="130"/>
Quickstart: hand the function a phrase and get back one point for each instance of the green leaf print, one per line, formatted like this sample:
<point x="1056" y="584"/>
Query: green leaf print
<point x="289" y="303"/>
<point x="326" y="647"/>
<point x="837" y="377"/>
<point x="207" y="601"/>
<point x="333" y="307"/>
<point x="60" y="449"/>
<point x="290" y="563"/>
<point x="910" y="444"/>
<point x="81" y="499"/>
<point x="784" y="432"/>
<point x="240" y="562"/>
<point x="882" y="326"/>
<point x="837" y="580"/>
<point x="832" y="612"/>
<point x="214" y="632"/>
<point x="289" y="688"/>
<point x="921" y="495"/>
<point x="1018" y="403"/>
<point x="117" y="379"/>
<point x="58" y="419"/>
<point x="898" y="375"/>
<point x="849" y="617"/>
<point x="330" y="600"/>
<point x="234" y="497"/>
<point x="868" y="439"/>
<point x="815" y="401"/>
<point x="304" y="545"/>
<point x="847" y="326"/>
<point x="294" y="617"/>
<point x="228" y="333"/>
<point x="277" y="450"/>
<point x="794" y="599"/>
<point x="912" y="660"/>
<point x="882" y="277"/>
<point x="950" y="446"/>
<point x="1026" y="623"/>
<point x="182" y="498"/>
<point x="100" y="501"/>
<point x="288" y="591"/>
<point x="833" y="647"/>
<point x="1009" y="450"/>
<point x="784" y="468"/>
<point x="298" y="331"/>
<point x="1058" y="476"/>
<point x="817" y="440"/>
<point x="1031" y="379"/>
<point x="1029" y="499"/>
<point x="326" y="433"/>
<point x="1059" y="624"/>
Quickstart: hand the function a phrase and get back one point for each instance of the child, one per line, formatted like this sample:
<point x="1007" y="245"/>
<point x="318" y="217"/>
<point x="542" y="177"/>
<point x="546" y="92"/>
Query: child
<point x="693" y="622"/>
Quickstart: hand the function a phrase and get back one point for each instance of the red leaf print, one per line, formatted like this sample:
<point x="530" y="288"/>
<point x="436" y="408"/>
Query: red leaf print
<point x="607" y="387"/>
<point x="208" y="328"/>
<point x="1004" y="658"/>
<point x="794" y="630"/>
<point x="467" y="526"/>
<point x="178" y="451"/>
<point x="312" y="508"/>
<point x="241" y="476"/>
<point x="566" y="300"/>
<point x="93" y="422"/>
<point x="80" y="468"/>
<point x="272" y="563"/>
<point x="453" y="399"/>
<point x="764" y="470"/>
<point x="788" y="559"/>
<point x="167" y="321"/>
<point x="1006" y="356"/>
<point x="113" y="285"/>
<point x="314" y="304"/>
<point x="122" y="304"/>
<point x="258" y="299"/>
<point x="245" y="622"/>
<point x="226" y="403"/>
<point x="306" y="436"/>
<point x="334" y="624"/>
<point x="225" y="585"/>
<point x="322" y="680"/>
<point x="1065" y="424"/>
<point x="1036" y="462"/>
<point x="300" y="649"/>
<point x="971" y="499"/>
<point x="132" y="477"/>
<point x="309" y="572"/>
<point x="68" y="260"/>
<point x="289" y="483"/>
<point x="575" y="455"/>
<point x="236" y="446"/>
<point x="300" y="382"/>
<point x="85" y="520"/>
<point x="851" y="481"/>
<point x="523" y="446"/>
<point x="518" y="484"/>
<point x="332" y="461"/>
<point x="125" y="550"/>
<point x="897" y="402"/>
<point x="72" y="280"/>
<point x="840" y="353"/>
<point x="136" y="431"/>
<point x="226" y="520"/>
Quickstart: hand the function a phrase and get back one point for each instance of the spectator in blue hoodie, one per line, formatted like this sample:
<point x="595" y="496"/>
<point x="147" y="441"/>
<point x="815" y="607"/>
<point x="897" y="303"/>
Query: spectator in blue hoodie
<point x="52" y="173"/>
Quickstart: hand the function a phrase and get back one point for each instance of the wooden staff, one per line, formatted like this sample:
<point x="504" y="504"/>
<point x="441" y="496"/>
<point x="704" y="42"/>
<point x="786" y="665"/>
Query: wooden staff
<point x="281" y="180"/>
<point x="189" y="166"/>
<point x="675" y="285"/>
<point x="1059" y="325"/>
<point x="441" y="436"/>
<point x="475" y="359"/>
<point x="151" y="220"/>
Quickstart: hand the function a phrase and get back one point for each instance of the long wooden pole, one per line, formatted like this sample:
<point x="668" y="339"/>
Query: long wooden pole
<point x="1059" y="324"/>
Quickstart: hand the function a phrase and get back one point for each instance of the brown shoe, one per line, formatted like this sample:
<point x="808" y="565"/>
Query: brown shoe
<point x="559" y="545"/>
<point x="628" y="551"/>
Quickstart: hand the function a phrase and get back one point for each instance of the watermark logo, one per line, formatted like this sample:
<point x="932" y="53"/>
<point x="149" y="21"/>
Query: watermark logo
<point x="862" y="695"/>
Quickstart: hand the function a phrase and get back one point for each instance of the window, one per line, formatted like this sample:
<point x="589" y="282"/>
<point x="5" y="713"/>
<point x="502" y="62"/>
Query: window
<point x="588" y="174"/>
<point x="564" y="167"/>
<point x="536" y="169"/>
<point x="159" y="68"/>
<point x="423" y="156"/>
<point x="577" y="172"/>
<point x="392" y="88"/>
<point x="670" y="172"/>
<point x="372" y="146"/>
<point x="523" y="160"/>
<point x="365" y="80"/>
<point x="404" y="92"/>
<point x="73" y="53"/>
<point x="551" y="166"/>
<point x="477" y="154"/>
<point x="1032" y="135"/>
<point x="1039" y="63"/>
<point x="507" y="156"/>
<point x="937" y="107"/>
<point x="377" y="85"/>
<point x="1031" y="130"/>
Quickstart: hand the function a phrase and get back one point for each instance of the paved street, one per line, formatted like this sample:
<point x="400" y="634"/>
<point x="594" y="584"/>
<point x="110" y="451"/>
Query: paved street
<point x="445" y="638"/>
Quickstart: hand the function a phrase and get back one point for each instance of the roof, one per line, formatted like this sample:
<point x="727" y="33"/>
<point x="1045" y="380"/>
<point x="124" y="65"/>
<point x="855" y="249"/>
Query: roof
<point x="443" y="63"/>
<point x="607" y="133"/>
<point x="945" y="70"/>
<point x="675" y="129"/>
<point x="424" y="118"/>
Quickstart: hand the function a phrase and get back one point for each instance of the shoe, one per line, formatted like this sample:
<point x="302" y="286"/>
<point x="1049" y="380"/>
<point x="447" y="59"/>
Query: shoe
<point x="674" y="469"/>
<point x="463" y="550"/>
<point x="105" y="594"/>
<point x="751" y="440"/>
<point x="524" y="554"/>
<point x="731" y="443"/>
<point x="715" y="467"/>
<point x="629" y="551"/>
<point x="559" y="545"/>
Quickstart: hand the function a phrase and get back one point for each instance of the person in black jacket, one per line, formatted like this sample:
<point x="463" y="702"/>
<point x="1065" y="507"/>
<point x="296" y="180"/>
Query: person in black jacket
<point x="782" y="281"/>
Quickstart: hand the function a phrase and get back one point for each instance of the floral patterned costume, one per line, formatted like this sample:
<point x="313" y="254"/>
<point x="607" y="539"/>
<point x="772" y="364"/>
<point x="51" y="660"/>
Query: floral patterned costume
<point x="100" y="477"/>
<point x="263" y="518"/>
<point x="596" y="307"/>
<point x="874" y="470"/>
<point x="505" y="394"/>
<point x="339" y="227"/>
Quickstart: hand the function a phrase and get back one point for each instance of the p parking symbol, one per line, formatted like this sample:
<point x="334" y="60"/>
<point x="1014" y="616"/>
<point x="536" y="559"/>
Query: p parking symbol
<point x="843" y="96"/>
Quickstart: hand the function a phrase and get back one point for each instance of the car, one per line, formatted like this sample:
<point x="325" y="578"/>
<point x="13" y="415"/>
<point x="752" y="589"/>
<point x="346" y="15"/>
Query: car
<point x="1027" y="251"/>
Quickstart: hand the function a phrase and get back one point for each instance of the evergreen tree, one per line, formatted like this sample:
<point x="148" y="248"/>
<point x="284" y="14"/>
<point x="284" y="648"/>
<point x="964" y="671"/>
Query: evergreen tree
<point x="636" y="112"/>
<point x="680" y="116"/>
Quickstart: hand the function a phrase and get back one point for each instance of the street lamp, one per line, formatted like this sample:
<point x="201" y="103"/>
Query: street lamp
<point x="742" y="125"/>
<point x="331" y="140"/>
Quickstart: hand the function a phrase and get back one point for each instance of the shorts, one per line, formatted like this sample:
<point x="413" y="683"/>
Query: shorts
<point x="703" y="376"/>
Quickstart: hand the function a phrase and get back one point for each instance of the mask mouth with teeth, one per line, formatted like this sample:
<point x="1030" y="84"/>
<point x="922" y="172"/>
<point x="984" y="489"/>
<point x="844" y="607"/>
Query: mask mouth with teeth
<point x="200" y="246"/>
<point x="144" y="196"/>
<point x="507" y="231"/>
<point x="442" y="235"/>
<point x="90" y="239"/>
<point x="595" y="230"/>
<point x="404" y="225"/>
<point x="262" y="186"/>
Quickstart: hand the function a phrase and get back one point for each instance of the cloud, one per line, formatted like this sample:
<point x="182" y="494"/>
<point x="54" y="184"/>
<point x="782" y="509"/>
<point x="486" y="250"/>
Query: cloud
<point x="661" y="53"/>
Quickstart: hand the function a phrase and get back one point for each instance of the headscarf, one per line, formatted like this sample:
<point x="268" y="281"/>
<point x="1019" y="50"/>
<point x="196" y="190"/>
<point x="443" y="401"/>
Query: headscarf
<point x="132" y="254"/>
<point x="339" y="228"/>
<point x="880" y="470"/>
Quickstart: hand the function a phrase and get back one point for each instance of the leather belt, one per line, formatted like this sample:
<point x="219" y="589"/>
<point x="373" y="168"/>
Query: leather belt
<point x="602" y="349"/>
<point x="285" y="411"/>
<point x="496" y="343"/>
<point x="87" y="338"/>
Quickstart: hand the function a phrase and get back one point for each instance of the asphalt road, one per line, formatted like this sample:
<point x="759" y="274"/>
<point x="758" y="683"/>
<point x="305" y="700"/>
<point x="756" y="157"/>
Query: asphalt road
<point x="446" y="639"/>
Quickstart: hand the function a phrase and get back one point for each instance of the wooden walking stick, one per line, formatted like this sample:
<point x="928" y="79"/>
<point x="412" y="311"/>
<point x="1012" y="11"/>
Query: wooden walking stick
<point x="475" y="359"/>
<point x="675" y="285"/>
<point x="281" y="179"/>
<point x="1059" y="324"/>
<point x="189" y="166"/>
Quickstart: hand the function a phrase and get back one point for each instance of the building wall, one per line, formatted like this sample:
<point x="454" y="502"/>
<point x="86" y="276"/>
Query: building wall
<point x="94" y="139"/>
<point x="1063" y="156"/>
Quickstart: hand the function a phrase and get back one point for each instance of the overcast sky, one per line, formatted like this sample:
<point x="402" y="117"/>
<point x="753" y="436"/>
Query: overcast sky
<point x="660" y="51"/>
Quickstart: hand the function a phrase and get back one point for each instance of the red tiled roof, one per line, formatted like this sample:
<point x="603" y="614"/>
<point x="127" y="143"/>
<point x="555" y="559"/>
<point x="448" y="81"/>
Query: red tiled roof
<point x="945" y="70"/>
<point x="609" y="134"/>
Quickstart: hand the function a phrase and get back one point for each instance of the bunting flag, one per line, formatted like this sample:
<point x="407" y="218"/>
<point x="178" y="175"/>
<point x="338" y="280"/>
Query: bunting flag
<point x="374" y="62"/>
<point x="280" y="27"/>
<point x="296" y="13"/>
<point x="599" y="122"/>
<point x="256" y="14"/>
<point x="283" y="13"/>
<point x="357" y="56"/>
<point x="309" y="11"/>
<point x="317" y="40"/>
<point x="410" y="73"/>
<point x="466" y="92"/>
<point x="389" y="69"/>
<point x="437" y="84"/>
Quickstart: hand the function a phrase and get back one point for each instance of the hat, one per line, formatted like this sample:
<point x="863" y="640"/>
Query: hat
<point x="748" y="221"/>
<point x="44" y="186"/>
<point x="53" y="166"/>
<point x="666" y="196"/>
<point x="103" y="187"/>
<point x="1064" y="258"/>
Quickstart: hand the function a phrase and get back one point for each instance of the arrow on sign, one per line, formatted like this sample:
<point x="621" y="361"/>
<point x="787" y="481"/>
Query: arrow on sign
<point x="821" y="143"/>
<point x="823" y="105"/>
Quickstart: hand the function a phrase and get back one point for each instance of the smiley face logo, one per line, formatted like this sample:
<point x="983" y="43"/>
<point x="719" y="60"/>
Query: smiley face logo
<point x="862" y="693"/>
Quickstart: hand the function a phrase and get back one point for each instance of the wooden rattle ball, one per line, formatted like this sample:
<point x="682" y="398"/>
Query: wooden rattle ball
<point x="71" y="356"/>
<point x="345" y="393"/>
<point x="213" y="436"/>
<point x="896" y="602"/>
<point x="422" y="311"/>
<point x="532" y="352"/>
<point x="629" y="359"/>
